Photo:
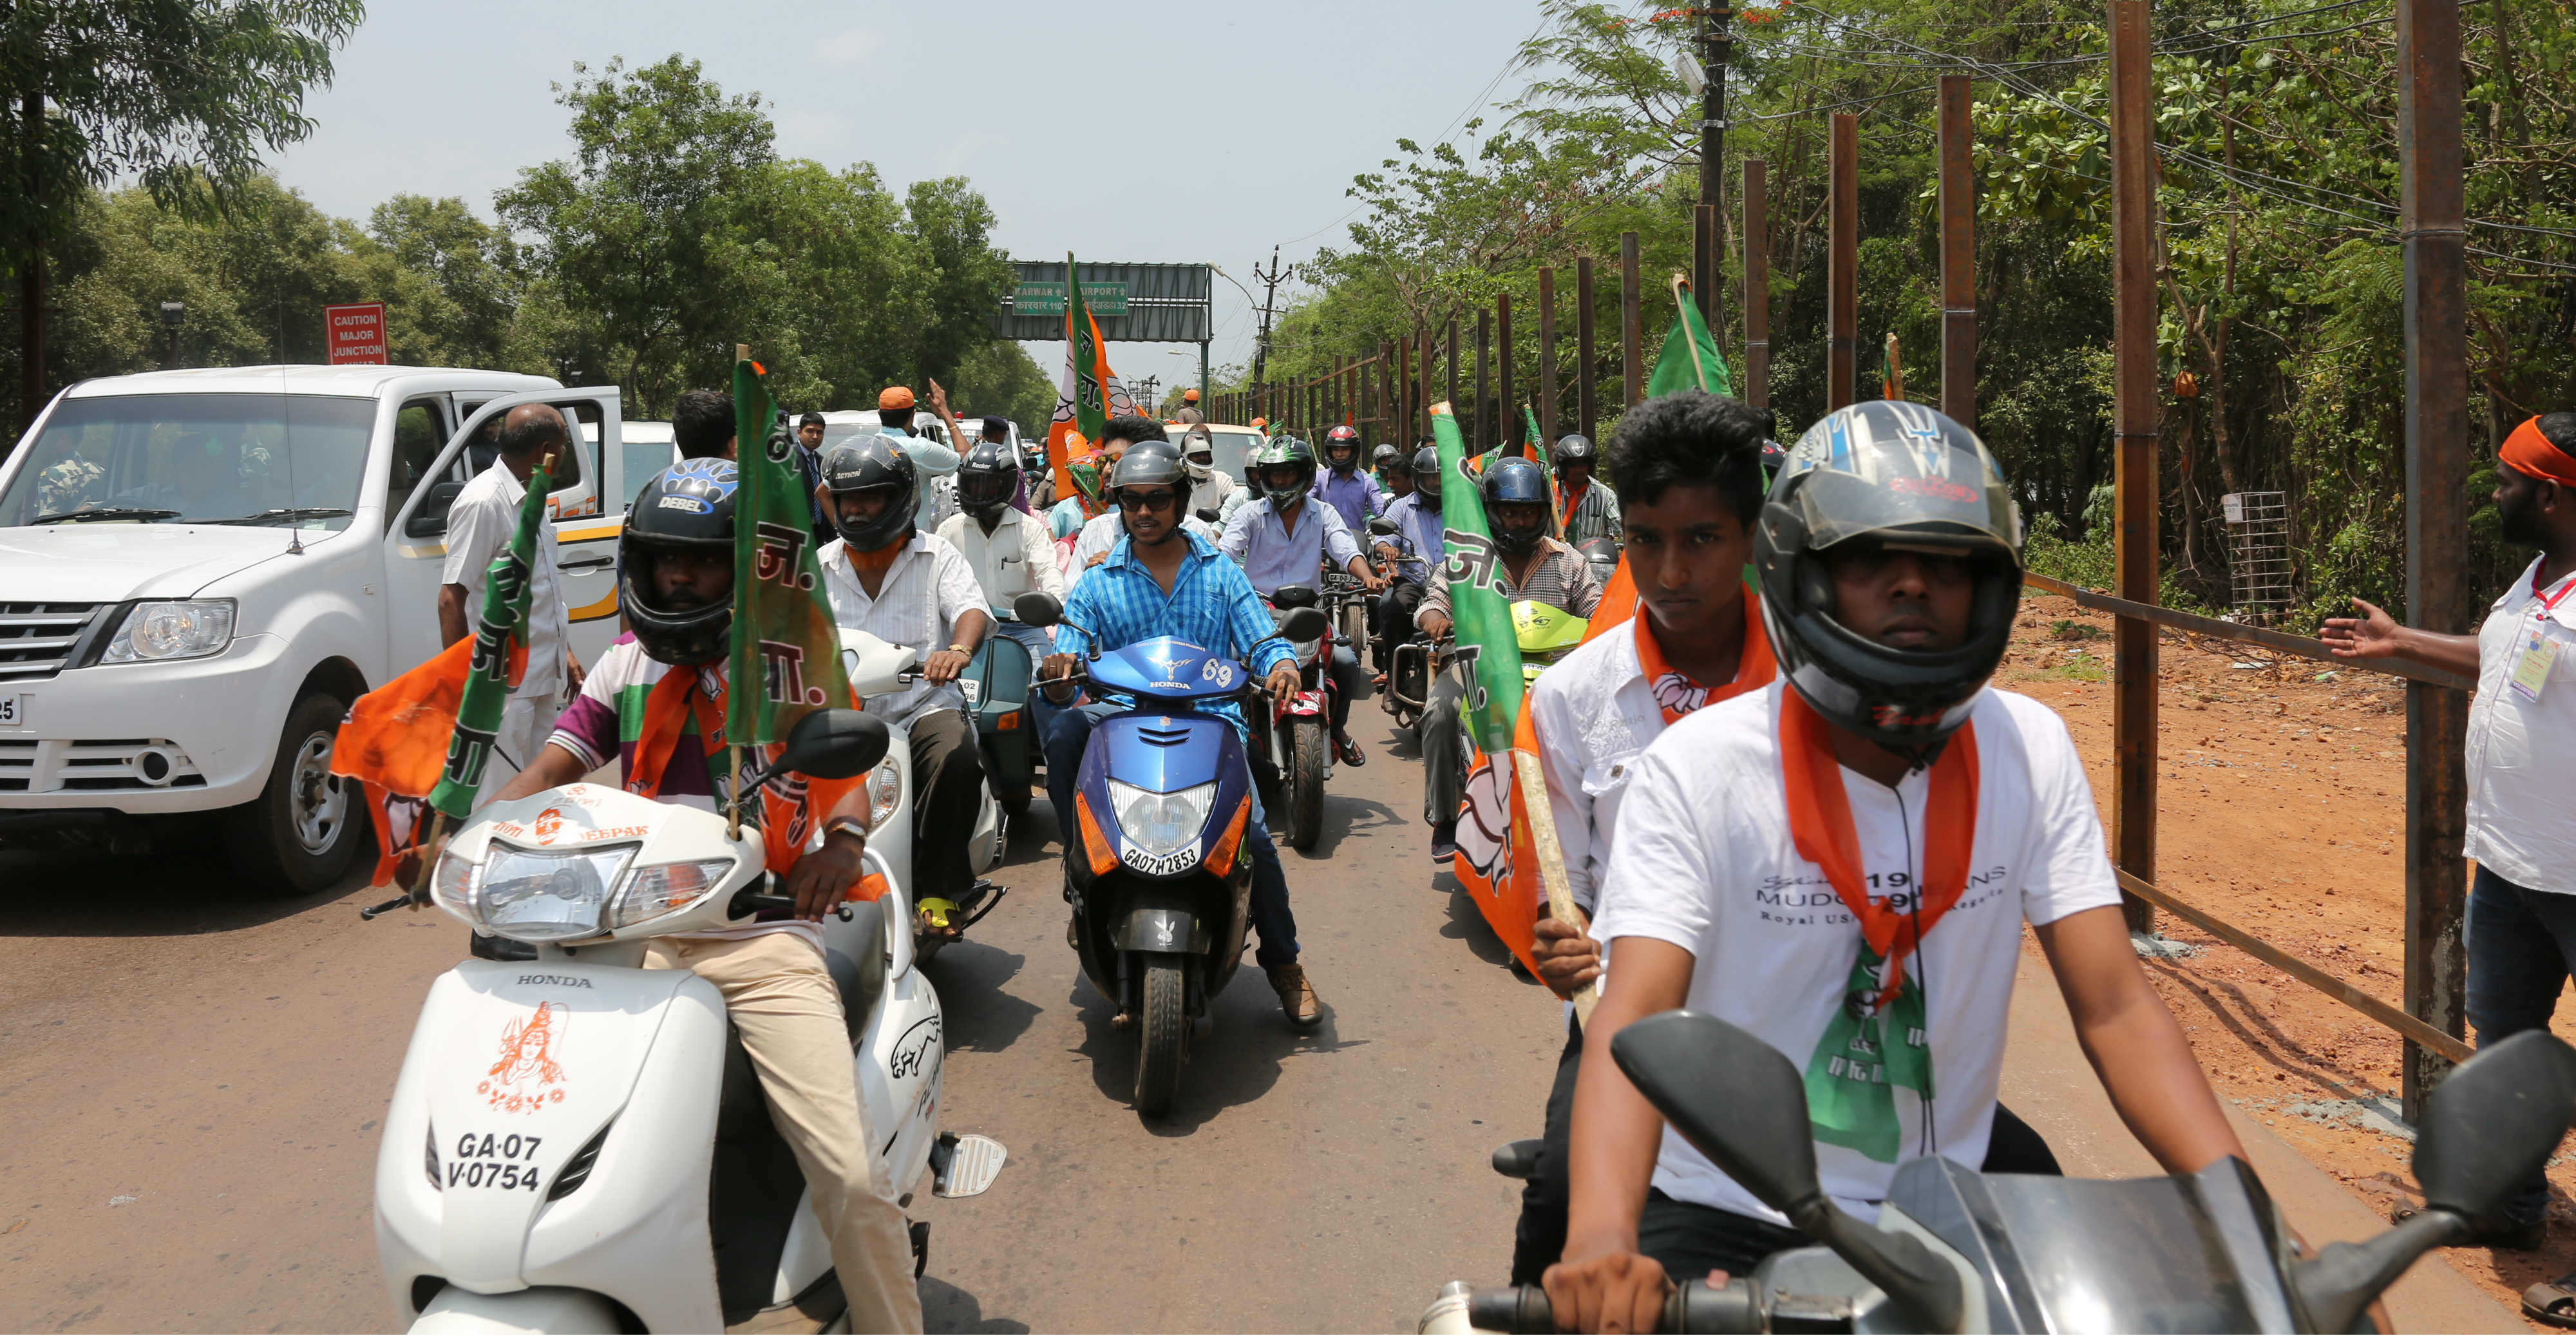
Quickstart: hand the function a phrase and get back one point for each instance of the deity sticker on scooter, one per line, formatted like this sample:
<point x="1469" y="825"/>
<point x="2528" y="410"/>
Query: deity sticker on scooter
<point x="527" y="1078"/>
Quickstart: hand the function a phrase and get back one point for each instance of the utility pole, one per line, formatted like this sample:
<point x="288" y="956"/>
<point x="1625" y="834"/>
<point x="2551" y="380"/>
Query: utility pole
<point x="1269" y="303"/>
<point x="1717" y="44"/>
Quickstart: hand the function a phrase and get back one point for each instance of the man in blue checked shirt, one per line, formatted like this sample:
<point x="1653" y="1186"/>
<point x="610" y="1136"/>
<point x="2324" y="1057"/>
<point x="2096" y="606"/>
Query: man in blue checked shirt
<point x="1161" y="580"/>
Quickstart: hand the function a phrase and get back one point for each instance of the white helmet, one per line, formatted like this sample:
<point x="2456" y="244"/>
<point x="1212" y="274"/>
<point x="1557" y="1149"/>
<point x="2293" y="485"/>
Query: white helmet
<point x="1198" y="451"/>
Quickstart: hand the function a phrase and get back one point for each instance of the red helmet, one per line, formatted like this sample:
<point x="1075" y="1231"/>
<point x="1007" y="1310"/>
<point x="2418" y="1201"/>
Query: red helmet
<point x="1342" y="448"/>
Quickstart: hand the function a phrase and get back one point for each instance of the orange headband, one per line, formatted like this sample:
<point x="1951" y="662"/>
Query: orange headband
<point x="2528" y="452"/>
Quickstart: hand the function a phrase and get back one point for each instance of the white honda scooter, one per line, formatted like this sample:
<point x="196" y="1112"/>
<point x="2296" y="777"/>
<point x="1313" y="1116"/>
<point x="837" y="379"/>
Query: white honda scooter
<point x="578" y="1144"/>
<point x="877" y="668"/>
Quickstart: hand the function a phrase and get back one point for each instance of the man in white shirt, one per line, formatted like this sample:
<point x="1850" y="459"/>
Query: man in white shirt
<point x="1689" y="474"/>
<point x="2521" y="770"/>
<point x="480" y="523"/>
<point x="1006" y="547"/>
<point x="1841" y="864"/>
<point x="908" y="588"/>
<point x="1210" y="487"/>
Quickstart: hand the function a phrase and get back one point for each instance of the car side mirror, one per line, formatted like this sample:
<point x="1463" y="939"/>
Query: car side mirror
<point x="834" y="744"/>
<point x="1381" y="526"/>
<point x="1304" y="624"/>
<point x="1037" y="609"/>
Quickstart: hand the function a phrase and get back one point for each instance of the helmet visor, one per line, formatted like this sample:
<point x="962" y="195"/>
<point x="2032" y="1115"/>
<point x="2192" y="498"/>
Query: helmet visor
<point x="986" y="487"/>
<point x="1881" y="475"/>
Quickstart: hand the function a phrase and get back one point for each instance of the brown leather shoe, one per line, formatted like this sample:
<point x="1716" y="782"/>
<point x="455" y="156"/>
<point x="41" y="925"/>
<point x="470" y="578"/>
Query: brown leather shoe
<point x="1296" y="995"/>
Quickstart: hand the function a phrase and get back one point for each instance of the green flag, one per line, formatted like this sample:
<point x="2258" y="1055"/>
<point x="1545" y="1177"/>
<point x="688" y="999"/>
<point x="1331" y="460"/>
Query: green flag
<point x="1477" y="607"/>
<point x="786" y="647"/>
<point x="1689" y="360"/>
<point x="487" y="676"/>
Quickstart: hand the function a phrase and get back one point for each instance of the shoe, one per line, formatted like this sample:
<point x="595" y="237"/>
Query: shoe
<point x="1444" y="842"/>
<point x="1350" y="751"/>
<point x="1378" y="683"/>
<point x="1296" y="995"/>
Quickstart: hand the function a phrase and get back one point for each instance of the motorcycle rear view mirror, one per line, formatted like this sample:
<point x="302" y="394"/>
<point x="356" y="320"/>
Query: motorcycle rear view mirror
<point x="1381" y="526"/>
<point x="1740" y="1102"/>
<point x="1037" y="609"/>
<point x="1295" y="596"/>
<point x="1206" y="514"/>
<point x="2487" y="1130"/>
<point x="1304" y="624"/>
<point x="834" y="744"/>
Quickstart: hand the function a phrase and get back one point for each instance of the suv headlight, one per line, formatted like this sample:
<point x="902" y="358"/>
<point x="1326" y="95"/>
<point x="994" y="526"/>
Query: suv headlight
<point x="660" y="888"/>
<point x="179" y="629"/>
<point x="533" y="895"/>
<point x="1161" y="823"/>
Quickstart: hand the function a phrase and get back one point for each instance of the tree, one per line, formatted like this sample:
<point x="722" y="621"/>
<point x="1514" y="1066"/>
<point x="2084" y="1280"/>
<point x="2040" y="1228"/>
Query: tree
<point x="179" y="95"/>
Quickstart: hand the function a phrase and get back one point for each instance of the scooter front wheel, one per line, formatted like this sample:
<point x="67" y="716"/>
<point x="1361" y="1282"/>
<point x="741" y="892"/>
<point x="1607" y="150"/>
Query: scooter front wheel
<point x="1163" y="1032"/>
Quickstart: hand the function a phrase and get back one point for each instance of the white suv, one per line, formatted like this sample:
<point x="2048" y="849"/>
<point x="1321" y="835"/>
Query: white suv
<point x="199" y="570"/>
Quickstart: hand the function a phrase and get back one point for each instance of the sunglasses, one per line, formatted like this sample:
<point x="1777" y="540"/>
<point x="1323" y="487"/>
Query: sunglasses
<point x="1130" y="500"/>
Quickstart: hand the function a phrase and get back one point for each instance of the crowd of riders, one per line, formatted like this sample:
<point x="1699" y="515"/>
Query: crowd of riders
<point x="1785" y="793"/>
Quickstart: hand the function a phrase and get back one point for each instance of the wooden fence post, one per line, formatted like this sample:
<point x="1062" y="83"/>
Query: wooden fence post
<point x="1757" y="283"/>
<point x="1547" y="351"/>
<point x="1484" y="359"/>
<point x="1632" y="366"/>
<point x="1586" y="371"/>
<point x="1842" y="280"/>
<point x="1450" y="357"/>
<point x="1958" y="256"/>
<point x="2135" y="482"/>
<point x="1503" y="400"/>
<point x="2430" y="230"/>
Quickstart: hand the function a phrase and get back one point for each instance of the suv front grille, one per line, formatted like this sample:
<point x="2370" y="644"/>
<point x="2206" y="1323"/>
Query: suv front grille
<point x="37" y="639"/>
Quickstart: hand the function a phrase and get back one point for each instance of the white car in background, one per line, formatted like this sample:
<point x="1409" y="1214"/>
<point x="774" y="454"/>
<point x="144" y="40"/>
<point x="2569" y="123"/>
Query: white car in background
<point x="200" y="570"/>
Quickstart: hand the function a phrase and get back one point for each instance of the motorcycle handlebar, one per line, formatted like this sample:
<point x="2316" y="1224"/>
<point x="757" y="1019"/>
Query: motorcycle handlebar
<point x="1738" y="1306"/>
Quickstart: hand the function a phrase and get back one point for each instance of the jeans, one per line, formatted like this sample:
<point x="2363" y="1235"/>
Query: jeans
<point x="2522" y="944"/>
<point x="948" y="785"/>
<point x="1271" y="918"/>
<point x="1395" y="610"/>
<point x="1444" y="752"/>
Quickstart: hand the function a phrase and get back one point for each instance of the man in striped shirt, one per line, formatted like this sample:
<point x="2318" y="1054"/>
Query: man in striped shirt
<point x="1534" y="566"/>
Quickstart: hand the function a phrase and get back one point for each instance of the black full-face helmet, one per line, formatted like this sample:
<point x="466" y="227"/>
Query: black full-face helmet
<point x="1426" y="477"/>
<point x="1514" y="480"/>
<point x="987" y="478"/>
<point x="866" y="463"/>
<point x="1342" y="450"/>
<point x="687" y="507"/>
<point x="1899" y="475"/>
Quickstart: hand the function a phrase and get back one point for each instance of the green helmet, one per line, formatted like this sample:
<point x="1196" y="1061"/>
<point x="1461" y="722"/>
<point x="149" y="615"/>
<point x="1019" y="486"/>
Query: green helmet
<point x="1290" y="452"/>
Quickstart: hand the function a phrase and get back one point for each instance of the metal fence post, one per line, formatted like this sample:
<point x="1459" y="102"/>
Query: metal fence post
<point x="2430" y="222"/>
<point x="2135" y="482"/>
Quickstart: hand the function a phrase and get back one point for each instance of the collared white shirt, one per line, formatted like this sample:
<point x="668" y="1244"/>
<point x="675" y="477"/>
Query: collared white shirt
<point x="925" y="591"/>
<point x="1594" y="713"/>
<point x="482" y="521"/>
<point x="1016" y="558"/>
<point x="2522" y="753"/>
<point x="1273" y="555"/>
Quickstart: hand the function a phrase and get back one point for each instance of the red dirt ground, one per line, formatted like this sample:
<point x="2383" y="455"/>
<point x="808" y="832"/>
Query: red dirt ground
<point x="2281" y="810"/>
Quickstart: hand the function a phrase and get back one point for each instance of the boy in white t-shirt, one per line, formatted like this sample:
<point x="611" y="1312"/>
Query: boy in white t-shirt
<point x="1842" y="863"/>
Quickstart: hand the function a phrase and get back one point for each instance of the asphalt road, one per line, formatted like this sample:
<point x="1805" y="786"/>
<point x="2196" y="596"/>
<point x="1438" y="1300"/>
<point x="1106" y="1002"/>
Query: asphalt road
<point x="193" y="1074"/>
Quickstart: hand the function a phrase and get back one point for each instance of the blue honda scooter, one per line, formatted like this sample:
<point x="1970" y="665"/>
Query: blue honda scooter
<point x="1156" y="865"/>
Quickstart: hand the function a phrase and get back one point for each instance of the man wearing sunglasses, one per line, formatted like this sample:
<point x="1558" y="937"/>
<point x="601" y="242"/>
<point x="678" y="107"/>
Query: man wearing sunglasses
<point x="1161" y="580"/>
<point x="1102" y="531"/>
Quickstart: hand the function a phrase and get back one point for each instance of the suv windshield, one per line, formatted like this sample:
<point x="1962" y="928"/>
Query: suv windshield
<point x="176" y="458"/>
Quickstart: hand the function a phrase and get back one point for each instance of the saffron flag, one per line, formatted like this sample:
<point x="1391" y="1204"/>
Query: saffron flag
<point x="422" y="740"/>
<point x="1494" y="861"/>
<point x="1089" y="395"/>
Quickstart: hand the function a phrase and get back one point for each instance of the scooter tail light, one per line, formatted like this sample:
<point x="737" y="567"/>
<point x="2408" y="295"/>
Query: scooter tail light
<point x="1221" y="857"/>
<point x="1095" y="846"/>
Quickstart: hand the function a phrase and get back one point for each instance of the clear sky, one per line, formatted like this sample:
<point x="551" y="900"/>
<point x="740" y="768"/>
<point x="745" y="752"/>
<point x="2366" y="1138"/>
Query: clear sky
<point x="1088" y="126"/>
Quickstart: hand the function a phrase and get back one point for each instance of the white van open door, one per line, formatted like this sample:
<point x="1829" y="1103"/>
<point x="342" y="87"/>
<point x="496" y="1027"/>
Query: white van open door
<point x="587" y="523"/>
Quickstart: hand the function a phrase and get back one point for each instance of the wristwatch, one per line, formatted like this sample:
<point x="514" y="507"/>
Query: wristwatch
<point x="849" y="823"/>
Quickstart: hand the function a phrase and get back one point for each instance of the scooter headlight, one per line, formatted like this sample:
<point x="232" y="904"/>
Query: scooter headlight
<point x="546" y="895"/>
<point x="1161" y="823"/>
<point x="451" y="885"/>
<point x="660" y="888"/>
<point x="885" y="789"/>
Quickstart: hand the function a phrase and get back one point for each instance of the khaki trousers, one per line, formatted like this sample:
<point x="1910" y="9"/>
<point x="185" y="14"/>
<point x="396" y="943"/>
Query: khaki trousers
<point x="782" y="1000"/>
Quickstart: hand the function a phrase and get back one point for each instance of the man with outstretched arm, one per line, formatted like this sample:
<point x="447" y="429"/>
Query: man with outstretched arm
<point x="1841" y="863"/>
<point x="2521" y="774"/>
